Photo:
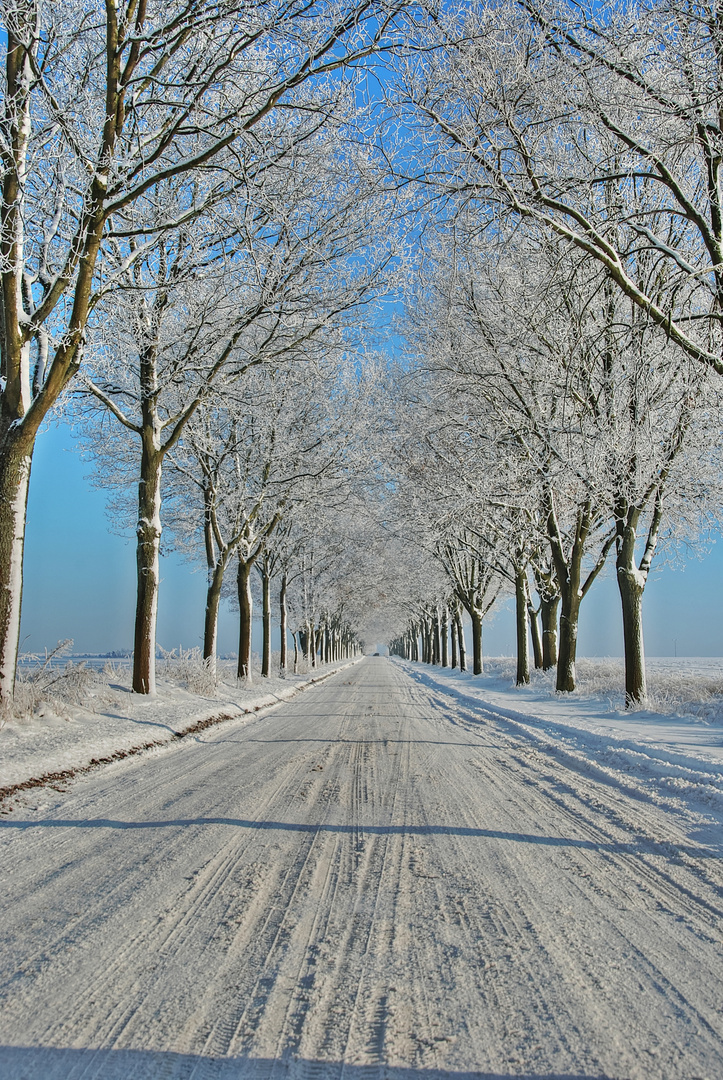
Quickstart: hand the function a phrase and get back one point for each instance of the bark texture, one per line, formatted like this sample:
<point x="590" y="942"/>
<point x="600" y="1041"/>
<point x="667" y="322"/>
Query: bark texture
<point x="147" y="566"/>
<point x="476" y="618"/>
<point x="535" y="634"/>
<point x="210" y="622"/>
<point x="461" y="642"/>
<point x="246" y="610"/>
<point x="523" y="650"/>
<point x="283" y="621"/>
<point x="266" y="620"/>
<point x="15" y="464"/>
<point x="549" y="607"/>
<point x="567" y="655"/>
<point x="631" y="598"/>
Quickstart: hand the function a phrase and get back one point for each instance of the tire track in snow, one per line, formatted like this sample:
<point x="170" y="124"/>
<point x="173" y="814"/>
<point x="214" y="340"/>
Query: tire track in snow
<point x="366" y="878"/>
<point x="632" y="868"/>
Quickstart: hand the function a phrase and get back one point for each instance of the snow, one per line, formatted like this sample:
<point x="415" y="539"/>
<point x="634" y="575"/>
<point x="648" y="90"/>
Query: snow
<point x="688" y="721"/>
<point x="674" y="757"/>
<point x="387" y="878"/>
<point x="114" y="720"/>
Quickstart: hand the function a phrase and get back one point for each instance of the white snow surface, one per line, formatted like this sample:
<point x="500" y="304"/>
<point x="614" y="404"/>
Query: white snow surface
<point x="677" y="753"/>
<point x="60" y="736"/>
<point x="402" y="874"/>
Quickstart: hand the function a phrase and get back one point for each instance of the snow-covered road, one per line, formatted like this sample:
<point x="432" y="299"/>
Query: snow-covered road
<point x="359" y="884"/>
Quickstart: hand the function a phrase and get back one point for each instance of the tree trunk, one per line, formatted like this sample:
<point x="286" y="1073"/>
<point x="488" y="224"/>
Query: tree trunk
<point x="296" y="653"/>
<point x="246" y="610"/>
<point x="453" y="637"/>
<point x="210" y="626"/>
<point x="461" y="642"/>
<point x="476" y="618"/>
<point x="569" y="618"/>
<point x="548" y="611"/>
<point x="444" y="630"/>
<point x="436" y="643"/>
<point x="15" y="465"/>
<point x="148" y="531"/>
<point x="523" y="648"/>
<point x="535" y="633"/>
<point x="266" y="620"/>
<point x="283" y="618"/>
<point x="631" y="596"/>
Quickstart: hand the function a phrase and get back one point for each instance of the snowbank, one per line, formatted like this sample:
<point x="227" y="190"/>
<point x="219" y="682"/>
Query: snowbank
<point x="673" y="758"/>
<point x="113" y="722"/>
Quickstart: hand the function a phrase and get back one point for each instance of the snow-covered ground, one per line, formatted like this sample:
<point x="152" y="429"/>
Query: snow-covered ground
<point x="387" y="878"/>
<point x="683" y="715"/>
<point x="672" y="753"/>
<point x="100" y="716"/>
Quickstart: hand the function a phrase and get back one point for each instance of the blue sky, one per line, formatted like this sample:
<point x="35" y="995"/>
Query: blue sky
<point x="80" y="575"/>
<point x="80" y="582"/>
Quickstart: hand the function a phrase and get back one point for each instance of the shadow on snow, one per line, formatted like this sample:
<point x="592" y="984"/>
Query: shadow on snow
<point x="51" y="1063"/>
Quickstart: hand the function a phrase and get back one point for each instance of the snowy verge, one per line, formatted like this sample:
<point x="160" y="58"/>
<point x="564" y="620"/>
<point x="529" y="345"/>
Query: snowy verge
<point x="672" y="760"/>
<point x="48" y="749"/>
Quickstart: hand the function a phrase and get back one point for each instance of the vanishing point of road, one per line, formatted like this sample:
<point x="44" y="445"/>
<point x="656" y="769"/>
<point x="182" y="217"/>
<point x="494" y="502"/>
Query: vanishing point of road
<point x="365" y="882"/>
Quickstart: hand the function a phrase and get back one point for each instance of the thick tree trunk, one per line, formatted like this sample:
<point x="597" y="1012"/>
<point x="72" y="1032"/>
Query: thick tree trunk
<point x="631" y="596"/>
<point x="523" y="649"/>
<point x="283" y="620"/>
<point x="476" y="618"/>
<point x="246" y="610"/>
<point x="296" y="653"/>
<point x="444" y="631"/>
<point x="453" y="637"/>
<point x="266" y="621"/>
<point x="148" y="532"/>
<point x="210" y="625"/>
<point x="15" y="463"/>
<point x="461" y="642"/>
<point x="569" y="618"/>
<point x="548" y="612"/>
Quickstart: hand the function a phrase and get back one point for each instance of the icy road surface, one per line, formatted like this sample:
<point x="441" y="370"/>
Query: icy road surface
<point x="363" y="883"/>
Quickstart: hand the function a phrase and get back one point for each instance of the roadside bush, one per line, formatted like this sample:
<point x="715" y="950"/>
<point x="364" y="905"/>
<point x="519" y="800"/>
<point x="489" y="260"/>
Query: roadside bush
<point x="188" y="668"/>
<point x="45" y="680"/>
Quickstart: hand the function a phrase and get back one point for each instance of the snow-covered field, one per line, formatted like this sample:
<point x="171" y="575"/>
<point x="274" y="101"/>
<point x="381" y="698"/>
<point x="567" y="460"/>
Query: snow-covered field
<point x="99" y="716"/>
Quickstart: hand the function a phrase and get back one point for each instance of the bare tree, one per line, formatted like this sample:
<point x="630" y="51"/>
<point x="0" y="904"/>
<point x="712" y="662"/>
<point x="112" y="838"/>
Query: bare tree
<point x="87" y="137"/>
<point x="256" y="282"/>
<point x="599" y="123"/>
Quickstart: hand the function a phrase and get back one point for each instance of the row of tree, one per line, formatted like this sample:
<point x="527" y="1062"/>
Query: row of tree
<point x="200" y="204"/>
<point x="563" y="396"/>
<point x="181" y="206"/>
